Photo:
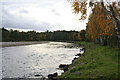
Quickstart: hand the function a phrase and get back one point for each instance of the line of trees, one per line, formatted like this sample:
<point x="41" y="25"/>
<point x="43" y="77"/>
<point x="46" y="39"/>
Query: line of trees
<point x="15" y="35"/>
<point x="103" y="26"/>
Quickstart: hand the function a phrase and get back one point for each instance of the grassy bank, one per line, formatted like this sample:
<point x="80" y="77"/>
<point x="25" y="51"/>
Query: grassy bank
<point x="98" y="62"/>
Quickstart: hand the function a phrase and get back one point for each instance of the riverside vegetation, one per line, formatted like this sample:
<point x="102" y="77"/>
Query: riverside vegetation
<point x="102" y="50"/>
<point x="98" y="62"/>
<point x="103" y="28"/>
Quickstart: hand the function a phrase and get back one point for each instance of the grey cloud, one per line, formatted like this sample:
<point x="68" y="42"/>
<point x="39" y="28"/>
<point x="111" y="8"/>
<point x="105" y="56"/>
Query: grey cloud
<point x="23" y="11"/>
<point x="12" y="21"/>
<point x="18" y="0"/>
<point x="55" y="12"/>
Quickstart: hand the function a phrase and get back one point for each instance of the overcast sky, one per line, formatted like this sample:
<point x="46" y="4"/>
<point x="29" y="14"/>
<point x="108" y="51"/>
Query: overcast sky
<point x="40" y="15"/>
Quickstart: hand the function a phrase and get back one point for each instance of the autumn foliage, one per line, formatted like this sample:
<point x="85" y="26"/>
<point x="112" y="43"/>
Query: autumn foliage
<point x="100" y="24"/>
<point x="103" y="23"/>
<point x="80" y="7"/>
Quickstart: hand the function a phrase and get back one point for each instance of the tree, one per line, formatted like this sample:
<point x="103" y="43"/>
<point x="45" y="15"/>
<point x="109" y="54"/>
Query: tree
<point x="105" y="20"/>
<point x="5" y="34"/>
<point x="81" y="35"/>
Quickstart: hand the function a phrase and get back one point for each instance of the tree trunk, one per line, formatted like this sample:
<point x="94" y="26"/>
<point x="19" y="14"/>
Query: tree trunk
<point x="116" y="22"/>
<point x="114" y="19"/>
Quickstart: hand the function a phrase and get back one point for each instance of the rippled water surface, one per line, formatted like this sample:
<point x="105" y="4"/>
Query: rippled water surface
<point x="29" y="60"/>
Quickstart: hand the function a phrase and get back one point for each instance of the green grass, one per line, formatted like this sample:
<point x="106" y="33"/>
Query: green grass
<point x="98" y="62"/>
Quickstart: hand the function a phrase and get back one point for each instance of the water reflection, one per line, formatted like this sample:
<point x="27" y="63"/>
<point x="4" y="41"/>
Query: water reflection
<point x="39" y="59"/>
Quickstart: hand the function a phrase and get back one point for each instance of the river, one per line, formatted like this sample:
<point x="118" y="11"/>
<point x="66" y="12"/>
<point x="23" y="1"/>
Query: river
<point x="29" y="60"/>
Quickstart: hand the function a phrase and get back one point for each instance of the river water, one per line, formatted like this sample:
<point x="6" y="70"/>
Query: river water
<point x="30" y="60"/>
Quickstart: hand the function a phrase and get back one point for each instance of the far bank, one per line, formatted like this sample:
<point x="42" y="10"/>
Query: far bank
<point x="8" y="44"/>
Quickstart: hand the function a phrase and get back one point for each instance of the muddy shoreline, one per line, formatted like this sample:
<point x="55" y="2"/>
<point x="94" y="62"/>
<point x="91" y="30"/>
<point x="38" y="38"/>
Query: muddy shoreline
<point x="9" y="44"/>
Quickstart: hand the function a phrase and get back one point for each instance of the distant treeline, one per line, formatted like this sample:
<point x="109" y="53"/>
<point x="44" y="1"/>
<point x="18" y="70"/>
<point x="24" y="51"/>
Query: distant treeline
<point x="15" y="35"/>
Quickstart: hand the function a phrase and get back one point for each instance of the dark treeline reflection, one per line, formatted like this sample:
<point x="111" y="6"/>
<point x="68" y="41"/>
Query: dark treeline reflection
<point x="15" y="35"/>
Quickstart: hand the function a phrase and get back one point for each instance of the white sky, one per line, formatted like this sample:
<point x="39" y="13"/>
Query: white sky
<point x="40" y="15"/>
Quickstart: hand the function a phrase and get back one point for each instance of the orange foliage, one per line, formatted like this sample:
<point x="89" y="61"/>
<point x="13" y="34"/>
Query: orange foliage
<point x="80" y="7"/>
<point x="99" y="24"/>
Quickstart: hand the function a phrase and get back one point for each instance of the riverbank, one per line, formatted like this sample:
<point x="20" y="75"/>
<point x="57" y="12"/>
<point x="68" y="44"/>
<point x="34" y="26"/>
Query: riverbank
<point x="8" y="44"/>
<point x="98" y="62"/>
